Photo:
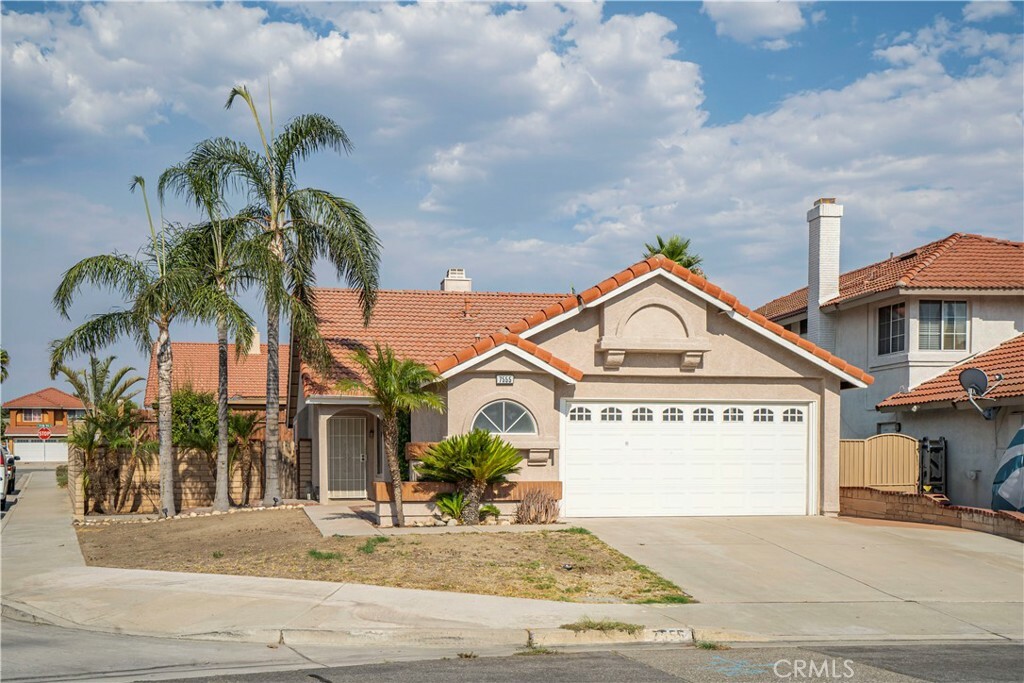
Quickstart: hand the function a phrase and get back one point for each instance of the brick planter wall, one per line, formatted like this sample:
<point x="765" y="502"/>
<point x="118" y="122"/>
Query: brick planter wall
<point x="927" y="509"/>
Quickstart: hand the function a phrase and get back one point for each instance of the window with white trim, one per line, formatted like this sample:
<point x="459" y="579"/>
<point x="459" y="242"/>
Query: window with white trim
<point x="579" y="414"/>
<point x="892" y="328"/>
<point x="32" y="415"/>
<point x="942" y="326"/>
<point x="611" y="415"/>
<point x="732" y="415"/>
<point x="505" y="417"/>
<point x="703" y="415"/>
<point x="643" y="415"/>
<point x="792" y="415"/>
<point x="672" y="414"/>
<point x="764" y="415"/>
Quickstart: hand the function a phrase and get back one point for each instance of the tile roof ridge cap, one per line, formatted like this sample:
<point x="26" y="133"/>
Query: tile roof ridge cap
<point x="988" y="238"/>
<point x="979" y="354"/>
<point x="940" y="249"/>
<point x="439" y="292"/>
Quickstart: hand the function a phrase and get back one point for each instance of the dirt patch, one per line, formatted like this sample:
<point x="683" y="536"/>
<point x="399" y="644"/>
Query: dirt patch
<point x="550" y="565"/>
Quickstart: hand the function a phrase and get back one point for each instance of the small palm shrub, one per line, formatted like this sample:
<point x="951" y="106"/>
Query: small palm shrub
<point x="474" y="461"/>
<point x="537" y="507"/>
<point x="451" y="504"/>
<point x="489" y="510"/>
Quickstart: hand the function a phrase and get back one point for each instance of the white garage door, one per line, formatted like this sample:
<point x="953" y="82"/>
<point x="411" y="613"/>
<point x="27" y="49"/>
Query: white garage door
<point x="34" y="451"/>
<point x="661" y="459"/>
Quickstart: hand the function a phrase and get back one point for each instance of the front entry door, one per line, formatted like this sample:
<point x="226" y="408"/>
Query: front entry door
<point x="346" y="457"/>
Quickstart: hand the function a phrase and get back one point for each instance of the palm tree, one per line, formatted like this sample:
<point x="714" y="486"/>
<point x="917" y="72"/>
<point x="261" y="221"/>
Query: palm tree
<point x="4" y="362"/>
<point x="474" y="461"/>
<point x="96" y="387"/>
<point x="396" y="386"/>
<point x="297" y="225"/>
<point x="675" y="249"/>
<point x="221" y="250"/>
<point x="243" y="428"/>
<point x="158" y="288"/>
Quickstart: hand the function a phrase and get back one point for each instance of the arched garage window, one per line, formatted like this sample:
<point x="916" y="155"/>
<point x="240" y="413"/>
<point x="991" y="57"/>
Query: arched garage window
<point x="579" y="414"/>
<point x="505" y="417"/>
<point x="792" y="415"/>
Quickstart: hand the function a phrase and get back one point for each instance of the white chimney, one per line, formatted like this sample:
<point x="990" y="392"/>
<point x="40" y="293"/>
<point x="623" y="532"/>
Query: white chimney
<point x="455" y="280"/>
<point x="822" y="270"/>
<point x="254" y="347"/>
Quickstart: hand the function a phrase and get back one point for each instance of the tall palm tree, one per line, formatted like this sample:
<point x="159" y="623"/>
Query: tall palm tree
<point x="220" y="248"/>
<point x="97" y="387"/>
<point x="675" y="249"/>
<point x="4" y="361"/>
<point x="396" y="386"/>
<point x="297" y="226"/>
<point x="158" y="288"/>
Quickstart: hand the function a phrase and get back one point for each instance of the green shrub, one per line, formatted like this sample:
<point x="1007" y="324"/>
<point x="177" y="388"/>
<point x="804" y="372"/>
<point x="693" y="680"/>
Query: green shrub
<point x="62" y="476"/>
<point x="489" y="510"/>
<point x="321" y="555"/>
<point x="451" y="504"/>
<point x="194" y="419"/>
<point x="474" y="461"/>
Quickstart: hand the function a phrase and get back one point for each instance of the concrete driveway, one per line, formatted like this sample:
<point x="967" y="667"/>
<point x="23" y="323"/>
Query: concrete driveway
<point x="816" y="576"/>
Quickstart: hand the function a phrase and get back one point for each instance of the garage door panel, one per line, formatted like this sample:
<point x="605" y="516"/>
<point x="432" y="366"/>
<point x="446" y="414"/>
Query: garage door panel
<point x="659" y="467"/>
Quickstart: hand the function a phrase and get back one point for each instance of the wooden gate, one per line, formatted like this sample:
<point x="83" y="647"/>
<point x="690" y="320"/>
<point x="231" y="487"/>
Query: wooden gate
<point x="887" y="461"/>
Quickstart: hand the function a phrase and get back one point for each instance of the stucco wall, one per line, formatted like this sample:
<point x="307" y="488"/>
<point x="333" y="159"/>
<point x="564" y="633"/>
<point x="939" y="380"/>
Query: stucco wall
<point x="973" y="443"/>
<point x="740" y="365"/>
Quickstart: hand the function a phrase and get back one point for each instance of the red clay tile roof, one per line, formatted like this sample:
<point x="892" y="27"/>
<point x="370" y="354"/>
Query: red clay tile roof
<point x="51" y="397"/>
<point x="195" y="364"/>
<point x="434" y="327"/>
<point x="1007" y="359"/>
<point x="960" y="261"/>
<point x="422" y="325"/>
<point x="497" y="339"/>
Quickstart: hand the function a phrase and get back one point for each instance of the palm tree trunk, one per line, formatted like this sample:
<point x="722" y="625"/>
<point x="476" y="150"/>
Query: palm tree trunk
<point x="391" y="448"/>
<point x="474" y="491"/>
<point x="272" y="489"/>
<point x="126" y="486"/>
<point x="163" y="359"/>
<point x="220" y="498"/>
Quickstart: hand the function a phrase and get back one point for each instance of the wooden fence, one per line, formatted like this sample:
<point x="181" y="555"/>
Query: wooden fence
<point x="887" y="461"/>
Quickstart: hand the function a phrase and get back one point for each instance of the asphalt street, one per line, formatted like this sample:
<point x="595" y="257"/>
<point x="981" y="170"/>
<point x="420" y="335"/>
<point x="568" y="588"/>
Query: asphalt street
<point x="37" y="653"/>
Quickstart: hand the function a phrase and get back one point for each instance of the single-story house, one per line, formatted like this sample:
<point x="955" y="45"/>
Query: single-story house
<point x="941" y="406"/>
<point x="653" y="393"/>
<point x="50" y="409"/>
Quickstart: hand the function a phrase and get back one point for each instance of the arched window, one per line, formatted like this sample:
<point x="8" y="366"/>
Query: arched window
<point x="672" y="415"/>
<point x="611" y="415"/>
<point x="703" y="415"/>
<point x="643" y="415"/>
<point x="764" y="415"/>
<point x="732" y="415"/>
<point x="792" y="415"/>
<point x="505" y="417"/>
<point x="579" y="414"/>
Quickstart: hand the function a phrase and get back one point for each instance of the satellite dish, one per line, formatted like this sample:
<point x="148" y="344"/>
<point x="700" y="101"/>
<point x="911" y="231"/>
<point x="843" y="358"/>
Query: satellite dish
<point x="974" y="381"/>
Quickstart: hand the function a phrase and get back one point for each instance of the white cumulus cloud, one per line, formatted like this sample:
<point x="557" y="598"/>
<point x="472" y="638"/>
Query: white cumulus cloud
<point x="766" y="21"/>
<point x="983" y="10"/>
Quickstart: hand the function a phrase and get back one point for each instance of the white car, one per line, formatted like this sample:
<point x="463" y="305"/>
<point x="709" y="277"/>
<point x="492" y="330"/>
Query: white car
<point x="3" y="488"/>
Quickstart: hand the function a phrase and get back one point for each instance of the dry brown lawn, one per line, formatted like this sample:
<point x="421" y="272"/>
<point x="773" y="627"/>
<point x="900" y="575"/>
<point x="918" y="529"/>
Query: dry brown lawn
<point x="285" y="544"/>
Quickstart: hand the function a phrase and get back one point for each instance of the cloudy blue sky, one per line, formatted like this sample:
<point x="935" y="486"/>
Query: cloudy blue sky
<point x="536" y="145"/>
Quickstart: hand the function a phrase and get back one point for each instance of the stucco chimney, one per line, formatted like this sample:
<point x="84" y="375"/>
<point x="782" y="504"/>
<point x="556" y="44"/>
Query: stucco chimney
<point x="455" y="280"/>
<point x="254" y="347"/>
<point x="822" y="270"/>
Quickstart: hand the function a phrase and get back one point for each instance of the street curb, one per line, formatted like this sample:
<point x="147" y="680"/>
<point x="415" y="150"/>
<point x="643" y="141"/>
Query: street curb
<point x="422" y="637"/>
<point x="560" y="637"/>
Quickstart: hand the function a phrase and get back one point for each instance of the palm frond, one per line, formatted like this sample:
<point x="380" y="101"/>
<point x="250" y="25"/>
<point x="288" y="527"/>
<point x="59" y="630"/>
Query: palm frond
<point x="98" y="332"/>
<point x="113" y="272"/>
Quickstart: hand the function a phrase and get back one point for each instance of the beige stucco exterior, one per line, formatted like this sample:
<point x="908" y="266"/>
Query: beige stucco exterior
<point x="653" y="340"/>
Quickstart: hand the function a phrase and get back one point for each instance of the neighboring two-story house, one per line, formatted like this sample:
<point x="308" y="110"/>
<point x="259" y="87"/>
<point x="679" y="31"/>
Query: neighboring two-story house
<point x="50" y="408"/>
<point x="909" y="319"/>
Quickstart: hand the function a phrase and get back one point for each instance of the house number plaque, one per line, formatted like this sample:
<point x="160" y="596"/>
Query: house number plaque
<point x="505" y="380"/>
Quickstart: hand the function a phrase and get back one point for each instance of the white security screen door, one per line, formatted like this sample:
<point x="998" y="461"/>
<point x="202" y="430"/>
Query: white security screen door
<point x="625" y="459"/>
<point x="346" y="457"/>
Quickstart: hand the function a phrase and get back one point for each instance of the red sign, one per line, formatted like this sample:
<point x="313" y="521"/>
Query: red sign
<point x="44" y="433"/>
